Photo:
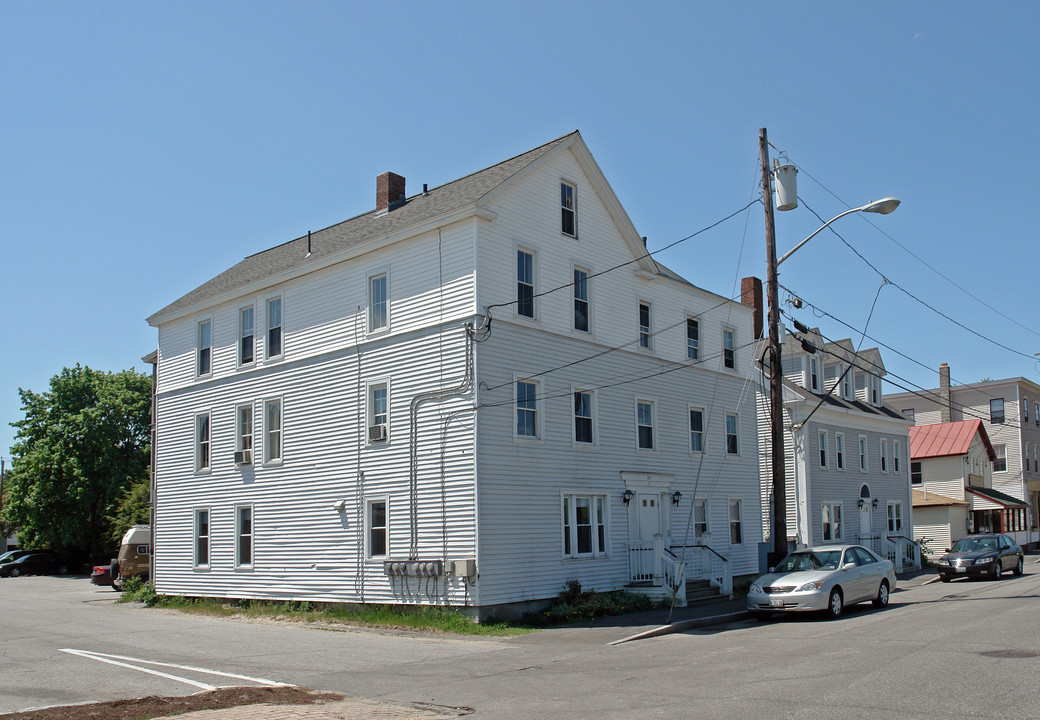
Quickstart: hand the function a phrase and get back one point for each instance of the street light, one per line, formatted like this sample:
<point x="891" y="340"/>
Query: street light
<point x="776" y="413"/>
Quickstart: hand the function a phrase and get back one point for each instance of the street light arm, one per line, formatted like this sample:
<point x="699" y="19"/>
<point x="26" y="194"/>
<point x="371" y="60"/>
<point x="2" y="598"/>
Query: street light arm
<point x="792" y="251"/>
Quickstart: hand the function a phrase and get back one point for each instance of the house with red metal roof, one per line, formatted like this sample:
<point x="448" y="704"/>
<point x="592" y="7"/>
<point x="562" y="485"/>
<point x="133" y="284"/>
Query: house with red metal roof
<point x="951" y="477"/>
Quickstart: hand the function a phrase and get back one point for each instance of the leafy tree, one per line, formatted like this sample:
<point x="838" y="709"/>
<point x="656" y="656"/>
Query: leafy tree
<point x="134" y="507"/>
<point x="80" y="445"/>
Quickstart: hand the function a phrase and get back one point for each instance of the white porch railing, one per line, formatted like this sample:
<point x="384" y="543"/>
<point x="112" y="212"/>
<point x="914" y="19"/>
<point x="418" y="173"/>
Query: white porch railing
<point x="651" y="562"/>
<point x="704" y="563"/>
<point x="904" y="553"/>
<point x="871" y="542"/>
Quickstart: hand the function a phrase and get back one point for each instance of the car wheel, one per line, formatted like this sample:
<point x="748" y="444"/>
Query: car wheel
<point x="996" y="569"/>
<point x="15" y="572"/>
<point x="1018" y="568"/>
<point x="882" y="595"/>
<point x="117" y="585"/>
<point x="944" y="578"/>
<point x="835" y="604"/>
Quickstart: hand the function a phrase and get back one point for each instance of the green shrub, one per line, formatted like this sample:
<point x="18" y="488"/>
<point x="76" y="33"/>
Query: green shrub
<point x="136" y="590"/>
<point x="577" y="605"/>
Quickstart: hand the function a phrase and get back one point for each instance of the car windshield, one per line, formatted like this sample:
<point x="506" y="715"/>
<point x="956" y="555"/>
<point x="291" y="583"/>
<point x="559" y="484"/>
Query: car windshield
<point x="975" y="544"/>
<point x="825" y="560"/>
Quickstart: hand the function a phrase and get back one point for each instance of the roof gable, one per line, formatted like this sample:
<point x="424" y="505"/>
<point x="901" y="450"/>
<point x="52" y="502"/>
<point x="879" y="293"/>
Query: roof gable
<point x="945" y="439"/>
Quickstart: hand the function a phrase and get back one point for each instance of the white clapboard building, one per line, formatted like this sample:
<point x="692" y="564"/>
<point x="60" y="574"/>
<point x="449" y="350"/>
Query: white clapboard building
<point x="468" y="396"/>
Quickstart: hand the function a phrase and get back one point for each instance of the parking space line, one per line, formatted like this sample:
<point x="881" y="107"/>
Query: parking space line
<point x="115" y="660"/>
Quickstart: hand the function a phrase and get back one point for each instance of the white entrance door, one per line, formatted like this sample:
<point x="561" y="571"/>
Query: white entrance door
<point x="649" y="516"/>
<point x="866" y="524"/>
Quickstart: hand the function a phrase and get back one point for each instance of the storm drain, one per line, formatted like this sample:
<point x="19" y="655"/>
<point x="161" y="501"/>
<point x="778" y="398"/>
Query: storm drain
<point x="1010" y="654"/>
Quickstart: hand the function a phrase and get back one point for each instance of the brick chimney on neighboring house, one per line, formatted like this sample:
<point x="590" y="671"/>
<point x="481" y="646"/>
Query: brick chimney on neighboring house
<point x="389" y="191"/>
<point x="944" y="393"/>
<point x="751" y="295"/>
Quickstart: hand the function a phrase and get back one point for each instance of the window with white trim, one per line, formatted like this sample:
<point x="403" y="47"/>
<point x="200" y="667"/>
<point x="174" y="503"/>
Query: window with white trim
<point x="245" y="336"/>
<point x="272" y="430"/>
<point x="729" y="348"/>
<point x="700" y="518"/>
<point x="581" y="299"/>
<point x="377" y="522"/>
<point x="274" y="327"/>
<point x="244" y="536"/>
<point x="644" y="325"/>
<point x="862" y="453"/>
<point x="204" y="341"/>
<point x="996" y="410"/>
<point x="883" y="445"/>
<point x="916" y="474"/>
<point x="696" y="429"/>
<point x="244" y="434"/>
<point x="875" y="390"/>
<point x="831" y="520"/>
<point x="846" y="384"/>
<point x="736" y="523"/>
<point x="201" y="524"/>
<point x="525" y="283"/>
<point x="378" y="302"/>
<point x="645" y="425"/>
<point x="897" y="453"/>
<point x="202" y="442"/>
<point x="584" y="525"/>
<point x="1000" y="464"/>
<point x="732" y="432"/>
<point x="814" y="374"/>
<point x="821" y="444"/>
<point x="839" y="451"/>
<point x="895" y="516"/>
<point x="693" y="338"/>
<point x="583" y="431"/>
<point x="568" y="209"/>
<point x="526" y="409"/>
<point x="378" y="412"/>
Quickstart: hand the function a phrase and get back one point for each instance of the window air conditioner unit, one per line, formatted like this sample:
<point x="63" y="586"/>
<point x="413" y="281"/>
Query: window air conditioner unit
<point x="376" y="433"/>
<point x="243" y="457"/>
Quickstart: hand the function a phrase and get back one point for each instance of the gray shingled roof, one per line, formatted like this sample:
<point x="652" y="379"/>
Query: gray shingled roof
<point x="359" y="230"/>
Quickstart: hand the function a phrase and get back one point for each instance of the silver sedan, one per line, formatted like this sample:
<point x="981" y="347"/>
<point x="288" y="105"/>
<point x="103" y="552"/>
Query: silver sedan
<point x="824" y="578"/>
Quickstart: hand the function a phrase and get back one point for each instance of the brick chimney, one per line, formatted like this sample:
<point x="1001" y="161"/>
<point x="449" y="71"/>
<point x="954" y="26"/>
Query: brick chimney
<point x="751" y="295"/>
<point x="944" y="392"/>
<point x="389" y="191"/>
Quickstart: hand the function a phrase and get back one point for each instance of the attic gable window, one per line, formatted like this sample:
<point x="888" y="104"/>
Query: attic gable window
<point x="525" y="283"/>
<point x="581" y="300"/>
<point x="567" y="209"/>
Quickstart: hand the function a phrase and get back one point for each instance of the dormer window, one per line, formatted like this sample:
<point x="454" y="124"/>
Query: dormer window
<point x="875" y="390"/>
<point x="814" y="374"/>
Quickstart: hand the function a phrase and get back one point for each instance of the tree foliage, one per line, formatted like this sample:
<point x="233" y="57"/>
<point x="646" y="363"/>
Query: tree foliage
<point x="79" y="447"/>
<point x="134" y="507"/>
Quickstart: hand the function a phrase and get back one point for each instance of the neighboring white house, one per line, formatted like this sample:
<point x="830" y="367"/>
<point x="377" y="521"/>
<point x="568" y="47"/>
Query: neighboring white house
<point x="468" y="397"/>
<point x="846" y="472"/>
<point x="1010" y="413"/>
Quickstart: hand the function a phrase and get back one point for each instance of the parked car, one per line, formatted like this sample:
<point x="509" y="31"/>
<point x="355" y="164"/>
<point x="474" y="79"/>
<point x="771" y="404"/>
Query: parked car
<point x="13" y="555"/>
<point x="982" y="555"/>
<point x="134" y="559"/>
<point x="101" y="575"/>
<point x="824" y="578"/>
<point x="36" y="563"/>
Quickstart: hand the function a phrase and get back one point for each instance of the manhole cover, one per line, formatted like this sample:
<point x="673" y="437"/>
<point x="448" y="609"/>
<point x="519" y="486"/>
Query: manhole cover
<point x="1010" y="654"/>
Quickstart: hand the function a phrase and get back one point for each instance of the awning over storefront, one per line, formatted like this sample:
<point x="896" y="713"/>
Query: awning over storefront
<point x="998" y="497"/>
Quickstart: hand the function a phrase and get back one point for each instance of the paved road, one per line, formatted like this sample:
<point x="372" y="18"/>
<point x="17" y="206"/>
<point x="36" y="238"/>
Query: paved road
<point x="966" y="649"/>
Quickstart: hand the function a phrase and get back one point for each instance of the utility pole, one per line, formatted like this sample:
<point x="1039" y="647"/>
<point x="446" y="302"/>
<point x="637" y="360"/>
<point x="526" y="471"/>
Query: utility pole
<point x="776" y="410"/>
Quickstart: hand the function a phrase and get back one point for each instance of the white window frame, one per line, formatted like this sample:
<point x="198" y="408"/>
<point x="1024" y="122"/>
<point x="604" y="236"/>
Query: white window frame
<point x="864" y="461"/>
<point x="832" y="521"/>
<point x="244" y="441"/>
<point x="701" y="517"/>
<point x="993" y="415"/>
<point x="203" y="442"/>
<point x="735" y="434"/>
<point x="241" y="535"/>
<point x="729" y="345"/>
<point x="736" y="517"/>
<point x="371" y="528"/>
<point x="822" y="448"/>
<point x="582" y="294"/>
<point x="591" y="417"/>
<point x="535" y="411"/>
<point x="875" y="390"/>
<point x="198" y="536"/>
<point x="814" y="375"/>
<point x="269" y="457"/>
<point x="839" y="451"/>
<point x="848" y="390"/>
<point x="573" y="209"/>
<point x="372" y="418"/>
<point x="897" y="451"/>
<point x="646" y="331"/>
<point x="897" y="516"/>
<point x="699" y="434"/>
<point x="204" y="349"/>
<point x="280" y="327"/>
<point x="652" y="407"/>
<point x="693" y="345"/>
<point x="883" y="449"/>
<point x="246" y="332"/>
<point x="1000" y="451"/>
<point x="531" y="282"/>
<point x="598" y="505"/>
<point x="378" y="309"/>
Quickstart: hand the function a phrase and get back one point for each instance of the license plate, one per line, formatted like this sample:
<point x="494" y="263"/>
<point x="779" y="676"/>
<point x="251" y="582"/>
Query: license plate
<point x="962" y="569"/>
<point x="776" y="602"/>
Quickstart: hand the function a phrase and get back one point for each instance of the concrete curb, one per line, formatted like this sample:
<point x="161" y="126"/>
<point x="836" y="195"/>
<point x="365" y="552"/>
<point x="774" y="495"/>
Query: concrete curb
<point x="684" y="625"/>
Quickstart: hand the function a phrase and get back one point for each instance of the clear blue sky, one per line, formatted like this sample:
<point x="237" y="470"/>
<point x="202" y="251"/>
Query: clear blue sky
<point x="146" y="147"/>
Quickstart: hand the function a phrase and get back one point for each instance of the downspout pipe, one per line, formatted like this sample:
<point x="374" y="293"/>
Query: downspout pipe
<point x="463" y="388"/>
